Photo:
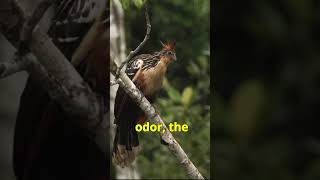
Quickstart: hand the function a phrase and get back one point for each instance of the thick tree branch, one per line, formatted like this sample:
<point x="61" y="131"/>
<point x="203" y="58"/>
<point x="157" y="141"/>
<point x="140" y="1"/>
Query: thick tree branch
<point x="124" y="81"/>
<point x="30" y="23"/>
<point x="155" y="118"/>
<point x="12" y="66"/>
<point x="55" y="74"/>
<point x="80" y="95"/>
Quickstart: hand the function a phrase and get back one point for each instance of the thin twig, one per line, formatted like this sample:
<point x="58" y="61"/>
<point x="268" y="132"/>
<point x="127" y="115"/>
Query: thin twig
<point x="124" y="81"/>
<point x="141" y="45"/>
<point x="55" y="74"/>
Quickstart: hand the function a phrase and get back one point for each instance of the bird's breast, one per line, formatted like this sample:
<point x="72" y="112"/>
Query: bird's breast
<point x="152" y="79"/>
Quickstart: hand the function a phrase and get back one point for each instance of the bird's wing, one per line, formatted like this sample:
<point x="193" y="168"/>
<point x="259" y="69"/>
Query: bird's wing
<point x="72" y="21"/>
<point x="143" y="61"/>
<point x="80" y="30"/>
<point x="134" y="67"/>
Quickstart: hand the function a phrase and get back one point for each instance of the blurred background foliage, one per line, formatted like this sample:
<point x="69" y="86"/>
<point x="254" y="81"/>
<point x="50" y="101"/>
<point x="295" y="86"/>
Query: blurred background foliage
<point x="267" y="84"/>
<point x="185" y="98"/>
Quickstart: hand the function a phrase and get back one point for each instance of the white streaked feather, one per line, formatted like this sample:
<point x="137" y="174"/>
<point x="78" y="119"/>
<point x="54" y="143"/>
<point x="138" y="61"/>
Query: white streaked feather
<point x="68" y="39"/>
<point x="94" y="11"/>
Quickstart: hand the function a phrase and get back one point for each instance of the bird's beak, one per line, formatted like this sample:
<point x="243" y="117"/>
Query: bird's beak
<point x="175" y="58"/>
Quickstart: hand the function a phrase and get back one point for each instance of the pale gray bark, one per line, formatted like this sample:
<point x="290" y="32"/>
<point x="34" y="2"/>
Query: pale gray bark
<point x="117" y="51"/>
<point x="124" y="81"/>
<point x="51" y="70"/>
<point x="165" y="134"/>
<point x="67" y="87"/>
<point x="12" y="66"/>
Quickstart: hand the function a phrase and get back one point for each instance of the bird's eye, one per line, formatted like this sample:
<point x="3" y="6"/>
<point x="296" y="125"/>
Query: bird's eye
<point x="170" y="52"/>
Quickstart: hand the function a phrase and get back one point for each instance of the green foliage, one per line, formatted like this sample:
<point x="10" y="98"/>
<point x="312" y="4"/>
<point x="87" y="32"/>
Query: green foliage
<point x="189" y="107"/>
<point x="126" y="3"/>
<point x="185" y="96"/>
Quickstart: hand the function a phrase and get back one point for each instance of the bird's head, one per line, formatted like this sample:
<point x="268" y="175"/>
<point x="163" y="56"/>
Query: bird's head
<point x="168" y="52"/>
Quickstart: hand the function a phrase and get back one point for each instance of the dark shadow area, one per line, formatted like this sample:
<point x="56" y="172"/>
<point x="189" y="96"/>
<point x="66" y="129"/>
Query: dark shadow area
<point x="266" y="81"/>
<point x="39" y="137"/>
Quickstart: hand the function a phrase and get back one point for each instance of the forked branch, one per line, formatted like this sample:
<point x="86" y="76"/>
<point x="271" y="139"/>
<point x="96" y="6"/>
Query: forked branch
<point x="51" y="70"/>
<point x="124" y="81"/>
<point x="141" y="45"/>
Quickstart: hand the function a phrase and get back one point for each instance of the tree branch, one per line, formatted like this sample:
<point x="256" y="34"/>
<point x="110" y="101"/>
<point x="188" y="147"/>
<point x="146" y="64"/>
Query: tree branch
<point x="55" y="74"/>
<point x="165" y="134"/>
<point x="13" y="66"/>
<point x="141" y="45"/>
<point x="56" y="64"/>
<point x="31" y="22"/>
<point x="124" y="81"/>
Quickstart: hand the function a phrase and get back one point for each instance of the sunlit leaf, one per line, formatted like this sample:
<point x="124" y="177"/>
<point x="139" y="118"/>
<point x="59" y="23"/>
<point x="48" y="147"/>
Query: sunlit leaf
<point x="203" y="62"/>
<point x="187" y="96"/>
<point x="193" y="69"/>
<point x="174" y="94"/>
<point x="125" y="3"/>
<point x="139" y="3"/>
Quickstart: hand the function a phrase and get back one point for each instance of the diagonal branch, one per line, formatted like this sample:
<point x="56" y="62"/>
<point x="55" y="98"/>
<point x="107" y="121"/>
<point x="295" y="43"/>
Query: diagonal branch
<point x="13" y="66"/>
<point x="124" y="81"/>
<point x="31" y="22"/>
<point x="56" y="64"/>
<point x="55" y="74"/>
<point x="165" y="134"/>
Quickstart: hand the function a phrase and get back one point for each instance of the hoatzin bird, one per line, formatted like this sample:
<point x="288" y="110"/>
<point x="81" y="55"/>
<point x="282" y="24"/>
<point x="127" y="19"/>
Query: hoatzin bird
<point x="47" y="144"/>
<point x="147" y="72"/>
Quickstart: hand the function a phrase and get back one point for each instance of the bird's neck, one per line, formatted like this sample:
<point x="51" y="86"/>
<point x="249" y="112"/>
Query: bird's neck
<point x="162" y="67"/>
<point x="166" y="61"/>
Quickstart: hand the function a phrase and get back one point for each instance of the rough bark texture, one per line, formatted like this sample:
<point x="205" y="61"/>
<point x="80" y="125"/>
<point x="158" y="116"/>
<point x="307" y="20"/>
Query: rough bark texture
<point x="125" y="82"/>
<point x="13" y="66"/>
<point x="67" y="87"/>
<point x="165" y="134"/>
<point x="48" y="66"/>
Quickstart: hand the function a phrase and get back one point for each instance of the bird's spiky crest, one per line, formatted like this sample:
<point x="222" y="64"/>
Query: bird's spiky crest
<point x="170" y="46"/>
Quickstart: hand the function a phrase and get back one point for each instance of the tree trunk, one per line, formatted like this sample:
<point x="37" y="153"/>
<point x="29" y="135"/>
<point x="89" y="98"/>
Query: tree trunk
<point x="117" y="48"/>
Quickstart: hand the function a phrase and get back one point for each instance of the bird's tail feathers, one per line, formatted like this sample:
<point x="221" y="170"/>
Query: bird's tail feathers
<point x="126" y="145"/>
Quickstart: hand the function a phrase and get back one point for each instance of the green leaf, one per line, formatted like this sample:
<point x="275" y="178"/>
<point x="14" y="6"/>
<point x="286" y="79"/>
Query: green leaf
<point x="203" y="62"/>
<point x="125" y="3"/>
<point x="139" y="3"/>
<point x="193" y="69"/>
<point x="174" y="94"/>
<point x="166" y="84"/>
<point x="187" y="96"/>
